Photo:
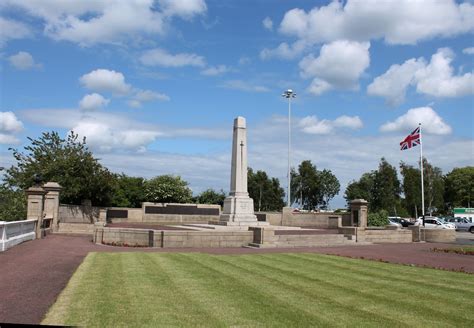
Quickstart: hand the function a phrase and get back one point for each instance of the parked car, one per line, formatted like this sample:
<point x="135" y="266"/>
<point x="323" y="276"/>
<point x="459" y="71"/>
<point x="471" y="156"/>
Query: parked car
<point x="403" y="222"/>
<point x="463" y="225"/>
<point x="435" y="223"/>
<point x="393" y="223"/>
<point x="406" y="223"/>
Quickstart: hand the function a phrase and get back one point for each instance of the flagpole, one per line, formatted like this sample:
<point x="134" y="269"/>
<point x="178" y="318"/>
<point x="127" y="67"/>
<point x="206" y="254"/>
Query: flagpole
<point x="422" y="184"/>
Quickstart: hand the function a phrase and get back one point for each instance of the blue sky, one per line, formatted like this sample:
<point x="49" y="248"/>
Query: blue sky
<point x="155" y="85"/>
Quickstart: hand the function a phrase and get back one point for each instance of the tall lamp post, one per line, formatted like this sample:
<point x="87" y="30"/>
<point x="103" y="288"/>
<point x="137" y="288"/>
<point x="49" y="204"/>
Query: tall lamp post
<point x="289" y="94"/>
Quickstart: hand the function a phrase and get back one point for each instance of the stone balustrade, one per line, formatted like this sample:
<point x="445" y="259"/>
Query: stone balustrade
<point x="16" y="232"/>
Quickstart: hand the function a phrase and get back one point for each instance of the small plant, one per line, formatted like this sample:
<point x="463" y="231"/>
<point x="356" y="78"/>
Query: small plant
<point x="377" y="219"/>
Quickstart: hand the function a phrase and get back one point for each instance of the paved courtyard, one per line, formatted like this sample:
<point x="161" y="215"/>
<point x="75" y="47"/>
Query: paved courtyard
<point x="34" y="273"/>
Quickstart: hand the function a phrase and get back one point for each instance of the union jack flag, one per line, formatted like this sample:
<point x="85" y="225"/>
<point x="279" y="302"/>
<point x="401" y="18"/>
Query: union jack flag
<point x="412" y="140"/>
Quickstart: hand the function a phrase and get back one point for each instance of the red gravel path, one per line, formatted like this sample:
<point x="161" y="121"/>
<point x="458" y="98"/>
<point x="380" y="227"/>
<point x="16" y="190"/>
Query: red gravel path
<point x="34" y="273"/>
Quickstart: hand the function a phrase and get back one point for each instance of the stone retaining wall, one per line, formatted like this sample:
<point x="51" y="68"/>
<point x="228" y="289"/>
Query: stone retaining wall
<point x="385" y="236"/>
<point x="288" y="217"/>
<point x="76" y="228"/>
<point x="171" y="239"/>
<point x="439" y="235"/>
<point x="78" y="213"/>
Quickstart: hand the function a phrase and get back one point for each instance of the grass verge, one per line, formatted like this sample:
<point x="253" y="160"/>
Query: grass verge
<point x="277" y="290"/>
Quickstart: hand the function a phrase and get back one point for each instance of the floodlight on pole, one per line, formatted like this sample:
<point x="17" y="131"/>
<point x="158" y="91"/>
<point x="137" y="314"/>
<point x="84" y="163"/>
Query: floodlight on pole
<point x="289" y="94"/>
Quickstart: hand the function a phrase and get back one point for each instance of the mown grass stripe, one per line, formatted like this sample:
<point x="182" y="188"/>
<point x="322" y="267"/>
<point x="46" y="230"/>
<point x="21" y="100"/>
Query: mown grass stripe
<point x="430" y="289"/>
<point x="443" y="276"/>
<point x="257" y="301"/>
<point x="282" y="290"/>
<point x="341" y="297"/>
<point x="303" y="301"/>
<point x="457" y="282"/>
<point x="187" y="287"/>
<point x="372" y="294"/>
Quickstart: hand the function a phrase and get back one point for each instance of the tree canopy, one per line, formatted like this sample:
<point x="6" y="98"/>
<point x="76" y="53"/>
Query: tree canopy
<point x="459" y="187"/>
<point x="210" y="196"/>
<point x="167" y="189"/>
<point x="266" y="192"/>
<point x="66" y="161"/>
<point x="381" y="188"/>
<point x="128" y="191"/>
<point x="312" y="188"/>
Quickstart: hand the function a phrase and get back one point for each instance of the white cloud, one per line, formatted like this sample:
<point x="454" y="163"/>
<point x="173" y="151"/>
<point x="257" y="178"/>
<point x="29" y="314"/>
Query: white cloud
<point x="215" y="70"/>
<point x="350" y="122"/>
<point x="284" y="51"/>
<point x="10" y="30"/>
<point x="393" y="83"/>
<point x="244" y="86"/>
<point x="160" y="57"/>
<point x="103" y="138"/>
<point x="185" y="8"/>
<point x="339" y="65"/>
<point x="141" y="96"/>
<point x="397" y="22"/>
<point x="111" y="21"/>
<point x="468" y="51"/>
<point x="435" y="79"/>
<point x="8" y="139"/>
<point x="9" y="125"/>
<point x="431" y="122"/>
<point x="105" y="80"/>
<point x="312" y="125"/>
<point x="23" y="61"/>
<point x="148" y="95"/>
<point x="93" y="101"/>
<point x="268" y="23"/>
<point x="244" y="60"/>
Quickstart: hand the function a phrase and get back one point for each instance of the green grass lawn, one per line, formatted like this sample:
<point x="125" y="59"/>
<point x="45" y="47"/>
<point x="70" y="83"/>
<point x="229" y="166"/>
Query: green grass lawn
<point x="192" y="289"/>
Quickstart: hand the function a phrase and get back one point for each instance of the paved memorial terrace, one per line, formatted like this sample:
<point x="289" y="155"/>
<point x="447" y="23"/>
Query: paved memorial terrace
<point x="34" y="273"/>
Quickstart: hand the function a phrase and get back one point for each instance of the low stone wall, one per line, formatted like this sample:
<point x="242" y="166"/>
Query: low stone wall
<point x="78" y="213"/>
<point x="157" y="213"/>
<point x="76" y="228"/>
<point x="385" y="236"/>
<point x="316" y="220"/>
<point x="274" y="218"/>
<point x="171" y="239"/>
<point x="438" y="235"/>
<point x="160" y="213"/>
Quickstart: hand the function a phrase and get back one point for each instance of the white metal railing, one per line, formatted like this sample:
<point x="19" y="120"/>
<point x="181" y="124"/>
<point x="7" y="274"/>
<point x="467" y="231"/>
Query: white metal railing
<point x="16" y="232"/>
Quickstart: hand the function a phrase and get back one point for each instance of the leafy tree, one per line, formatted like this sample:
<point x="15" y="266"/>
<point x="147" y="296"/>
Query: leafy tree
<point x="266" y="192"/>
<point x="411" y="186"/>
<point x="210" y="196"/>
<point x="381" y="188"/>
<point x="459" y="187"/>
<point x="377" y="219"/>
<point x="386" y="191"/>
<point x="434" y="187"/>
<point x="66" y="161"/>
<point x="167" y="189"/>
<point x="306" y="185"/>
<point x="362" y="189"/>
<point x="128" y="191"/>
<point x="12" y="204"/>
<point x="329" y="186"/>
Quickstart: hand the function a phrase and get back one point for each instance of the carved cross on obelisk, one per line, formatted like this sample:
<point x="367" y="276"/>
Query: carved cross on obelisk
<point x="238" y="207"/>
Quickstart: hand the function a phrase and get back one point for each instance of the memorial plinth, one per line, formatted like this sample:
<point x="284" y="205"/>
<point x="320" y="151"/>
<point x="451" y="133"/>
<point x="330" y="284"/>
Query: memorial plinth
<point x="238" y="207"/>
